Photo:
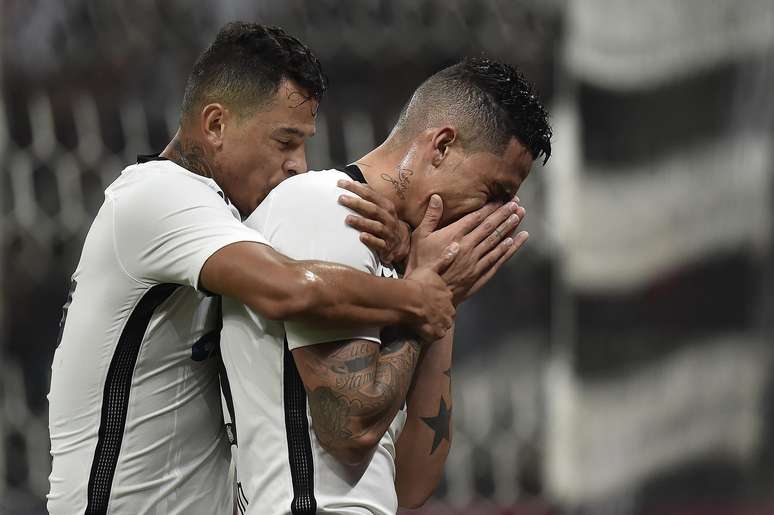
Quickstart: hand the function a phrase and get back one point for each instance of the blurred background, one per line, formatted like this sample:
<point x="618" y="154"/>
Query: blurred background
<point x="621" y="364"/>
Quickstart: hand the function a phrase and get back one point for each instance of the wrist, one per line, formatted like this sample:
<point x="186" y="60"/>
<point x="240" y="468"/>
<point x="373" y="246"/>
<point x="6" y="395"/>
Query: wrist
<point x="413" y="307"/>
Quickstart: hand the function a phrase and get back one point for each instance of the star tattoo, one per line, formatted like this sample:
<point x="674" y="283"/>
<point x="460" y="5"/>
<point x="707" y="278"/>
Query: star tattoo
<point x="447" y="373"/>
<point x="440" y="424"/>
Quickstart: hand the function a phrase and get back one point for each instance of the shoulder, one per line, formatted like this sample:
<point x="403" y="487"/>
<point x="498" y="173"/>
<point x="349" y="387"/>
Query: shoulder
<point x="164" y="185"/>
<point x="312" y="184"/>
<point x="162" y="178"/>
<point x="157" y="195"/>
<point x="313" y="194"/>
<point x="303" y="219"/>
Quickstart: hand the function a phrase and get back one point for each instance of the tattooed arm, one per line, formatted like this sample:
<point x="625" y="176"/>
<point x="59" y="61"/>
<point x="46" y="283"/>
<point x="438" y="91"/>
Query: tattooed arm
<point x="426" y="438"/>
<point x="355" y="389"/>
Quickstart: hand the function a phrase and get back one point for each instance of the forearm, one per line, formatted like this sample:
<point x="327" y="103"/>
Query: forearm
<point x="343" y="297"/>
<point x="355" y="393"/>
<point x="280" y="288"/>
<point x="426" y="438"/>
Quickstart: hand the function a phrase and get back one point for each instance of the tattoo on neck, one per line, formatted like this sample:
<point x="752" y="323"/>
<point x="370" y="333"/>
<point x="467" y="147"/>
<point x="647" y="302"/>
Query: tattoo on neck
<point x="440" y="424"/>
<point x="400" y="184"/>
<point x="193" y="157"/>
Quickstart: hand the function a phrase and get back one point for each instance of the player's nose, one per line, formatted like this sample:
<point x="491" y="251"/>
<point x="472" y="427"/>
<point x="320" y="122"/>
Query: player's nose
<point x="296" y="164"/>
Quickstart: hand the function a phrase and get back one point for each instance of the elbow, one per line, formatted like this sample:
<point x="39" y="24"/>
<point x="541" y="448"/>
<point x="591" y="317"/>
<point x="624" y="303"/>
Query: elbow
<point x="353" y="453"/>
<point x="413" y="498"/>
<point x="414" y="486"/>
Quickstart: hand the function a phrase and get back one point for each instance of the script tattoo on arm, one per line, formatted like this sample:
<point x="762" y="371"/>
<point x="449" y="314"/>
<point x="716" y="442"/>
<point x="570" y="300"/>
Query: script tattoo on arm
<point x="358" y="386"/>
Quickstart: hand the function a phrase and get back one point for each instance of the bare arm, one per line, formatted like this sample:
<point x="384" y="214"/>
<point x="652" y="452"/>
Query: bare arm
<point x="424" y="444"/>
<point x="330" y="294"/>
<point x="354" y="390"/>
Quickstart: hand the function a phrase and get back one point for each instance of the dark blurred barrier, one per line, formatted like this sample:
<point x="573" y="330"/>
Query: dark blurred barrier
<point x="620" y="365"/>
<point x="659" y="400"/>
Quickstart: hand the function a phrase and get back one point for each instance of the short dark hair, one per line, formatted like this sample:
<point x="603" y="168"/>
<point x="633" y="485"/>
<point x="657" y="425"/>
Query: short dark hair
<point x="244" y="66"/>
<point x="490" y="103"/>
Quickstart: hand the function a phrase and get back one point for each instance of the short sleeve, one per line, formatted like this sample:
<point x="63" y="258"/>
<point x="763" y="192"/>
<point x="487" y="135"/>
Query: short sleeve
<point x="166" y="225"/>
<point x="302" y="219"/>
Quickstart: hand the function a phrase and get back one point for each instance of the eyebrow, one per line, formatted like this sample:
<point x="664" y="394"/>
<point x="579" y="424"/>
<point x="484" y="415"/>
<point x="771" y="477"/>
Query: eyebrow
<point x="292" y="131"/>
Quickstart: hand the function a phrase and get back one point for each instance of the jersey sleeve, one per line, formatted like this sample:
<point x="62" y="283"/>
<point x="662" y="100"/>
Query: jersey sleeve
<point x="167" y="225"/>
<point x="302" y="219"/>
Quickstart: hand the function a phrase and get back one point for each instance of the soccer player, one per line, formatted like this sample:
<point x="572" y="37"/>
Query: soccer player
<point x="320" y="417"/>
<point x="134" y="407"/>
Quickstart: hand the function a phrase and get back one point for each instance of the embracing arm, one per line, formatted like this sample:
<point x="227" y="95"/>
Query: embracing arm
<point x="355" y="389"/>
<point x="280" y="288"/>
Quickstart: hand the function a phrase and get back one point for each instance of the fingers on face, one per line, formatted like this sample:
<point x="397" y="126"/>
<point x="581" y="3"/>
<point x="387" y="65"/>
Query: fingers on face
<point x="492" y="262"/>
<point x="491" y="257"/>
<point x="493" y="222"/>
<point x="500" y="234"/>
<point x="472" y="220"/>
<point x="510" y="251"/>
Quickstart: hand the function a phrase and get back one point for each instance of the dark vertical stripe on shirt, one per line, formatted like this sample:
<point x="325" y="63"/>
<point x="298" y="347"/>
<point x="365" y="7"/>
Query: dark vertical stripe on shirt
<point x="115" y="399"/>
<point x="299" y="444"/>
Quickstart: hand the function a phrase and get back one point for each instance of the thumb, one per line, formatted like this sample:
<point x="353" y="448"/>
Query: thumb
<point x="446" y="259"/>
<point x="432" y="215"/>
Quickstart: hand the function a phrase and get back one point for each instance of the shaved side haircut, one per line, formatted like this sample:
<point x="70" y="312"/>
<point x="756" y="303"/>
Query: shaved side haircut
<point x="488" y="102"/>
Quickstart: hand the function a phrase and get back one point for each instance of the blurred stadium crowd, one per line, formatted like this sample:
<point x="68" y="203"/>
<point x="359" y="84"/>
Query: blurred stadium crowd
<point x="621" y="365"/>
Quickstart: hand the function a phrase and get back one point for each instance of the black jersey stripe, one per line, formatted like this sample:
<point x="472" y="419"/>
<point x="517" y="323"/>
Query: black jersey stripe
<point x="115" y="399"/>
<point x="225" y="385"/>
<point x="297" y="424"/>
<point x="299" y="444"/>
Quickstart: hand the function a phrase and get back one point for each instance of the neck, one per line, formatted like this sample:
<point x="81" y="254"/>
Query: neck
<point x="387" y="168"/>
<point x="191" y="155"/>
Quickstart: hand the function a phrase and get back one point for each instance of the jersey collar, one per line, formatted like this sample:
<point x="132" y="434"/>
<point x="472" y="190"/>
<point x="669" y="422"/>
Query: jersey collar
<point x="354" y="173"/>
<point x="147" y="158"/>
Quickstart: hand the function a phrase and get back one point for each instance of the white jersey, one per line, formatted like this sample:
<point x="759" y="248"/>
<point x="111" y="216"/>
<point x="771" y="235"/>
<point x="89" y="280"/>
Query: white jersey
<point x="134" y="409"/>
<point x="281" y="467"/>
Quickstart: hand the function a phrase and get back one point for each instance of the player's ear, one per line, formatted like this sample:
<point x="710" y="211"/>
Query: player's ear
<point x="443" y="138"/>
<point x="212" y="123"/>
